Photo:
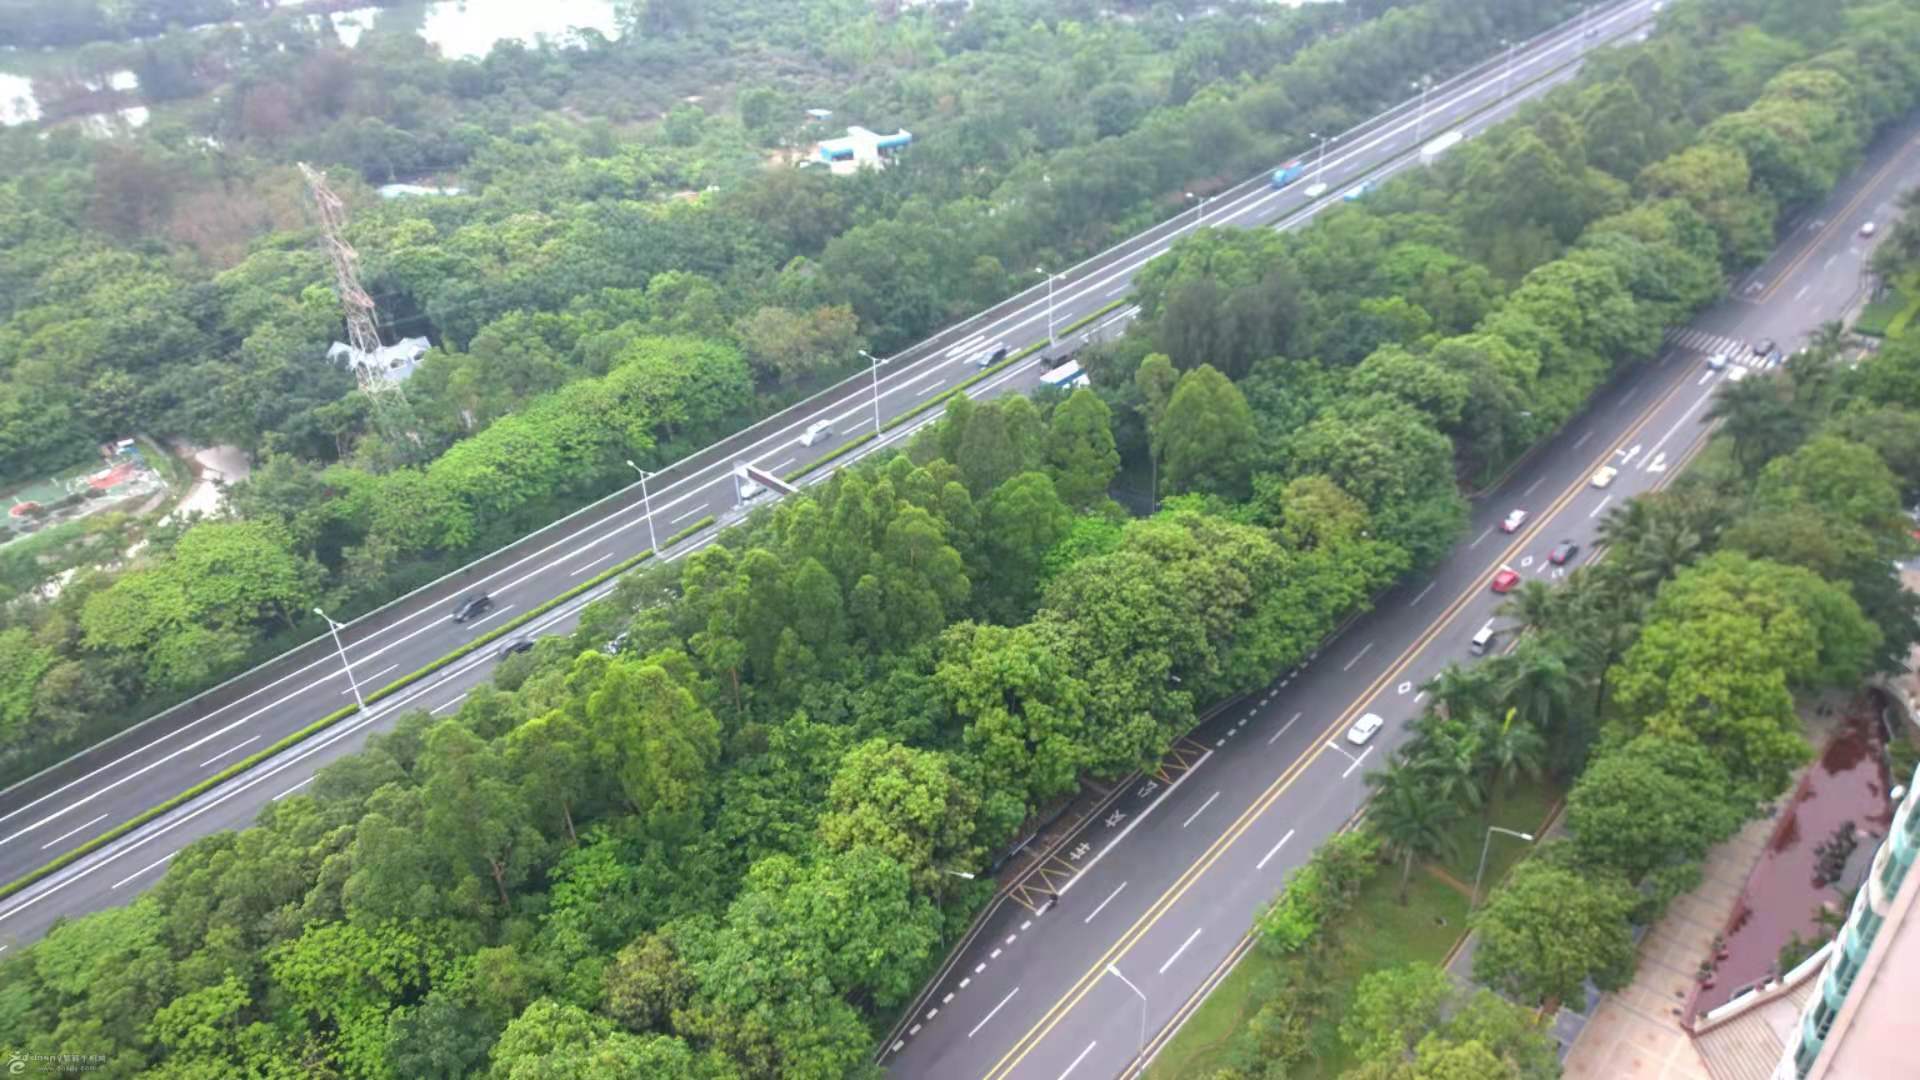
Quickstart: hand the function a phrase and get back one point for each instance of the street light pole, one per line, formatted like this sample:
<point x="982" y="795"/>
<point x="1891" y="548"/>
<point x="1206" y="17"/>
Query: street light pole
<point x="646" y="505"/>
<point x="1474" y="900"/>
<point x="1200" y="208"/>
<point x="334" y="629"/>
<point x="876" y="388"/>
<point x="1115" y="972"/>
<point x="1043" y="270"/>
<point x="1320" y="163"/>
<point x="1420" y="125"/>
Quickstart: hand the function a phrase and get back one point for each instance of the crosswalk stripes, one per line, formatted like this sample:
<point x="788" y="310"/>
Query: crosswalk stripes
<point x="1707" y="344"/>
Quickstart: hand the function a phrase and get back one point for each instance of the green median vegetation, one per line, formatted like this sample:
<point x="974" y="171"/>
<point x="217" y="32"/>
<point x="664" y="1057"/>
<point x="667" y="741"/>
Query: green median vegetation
<point x="723" y="853"/>
<point x="1340" y="921"/>
<point x="324" y="723"/>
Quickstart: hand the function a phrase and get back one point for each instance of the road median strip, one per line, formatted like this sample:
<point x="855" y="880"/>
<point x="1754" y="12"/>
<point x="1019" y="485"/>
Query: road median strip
<point x="67" y="859"/>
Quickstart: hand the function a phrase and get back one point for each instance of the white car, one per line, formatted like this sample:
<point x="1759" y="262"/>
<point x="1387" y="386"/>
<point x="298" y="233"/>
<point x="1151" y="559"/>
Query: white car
<point x="1316" y="189"/>
<point x="816" y="431"/>
<point x="1514" y="520"/>
<point x="1867" y="229"/>
<point x="1605" y="476"/>
<point x="1364" y="728"/>
<point x="1736" y="374"/>
<point x="1717" y="361"/>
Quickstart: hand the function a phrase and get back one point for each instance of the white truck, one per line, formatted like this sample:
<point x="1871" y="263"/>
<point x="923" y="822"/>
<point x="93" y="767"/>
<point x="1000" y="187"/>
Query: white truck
<point x="1431" y="152"/>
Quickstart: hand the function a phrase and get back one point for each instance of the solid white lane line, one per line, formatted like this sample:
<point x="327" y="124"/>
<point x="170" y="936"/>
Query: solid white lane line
<point x="996" y="1008"/>
<point x="1357" y="656"/>
<point x="1356" y="762"/>
<point x="698" y="481"/>
<point x="145" y="868"/>
<point x="1272" y="851"/>
<point x="1283" y="729"/>
<point x="1202" y="810"/>
<point x="1078" y="1060"/>
<point x="1684" y="417"/>
<point x="1104" y="903"/>
<point x="1603" y="505"/>
<point x="438" y="709"/>
<point x="1178" y="951"/>
<point x="273" y="767"/>
<point x="1131" y="825"/>
<point x="71" y="831"/>
<point x="229" y="750"/>
<point x="586" y="566"/>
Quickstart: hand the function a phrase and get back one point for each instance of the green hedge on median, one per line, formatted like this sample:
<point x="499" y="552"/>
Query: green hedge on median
<point x="335" y="717"/>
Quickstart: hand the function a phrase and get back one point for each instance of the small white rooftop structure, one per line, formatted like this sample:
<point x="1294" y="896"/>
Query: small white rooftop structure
<point x="397" y="360"/>
<point x="395" y="191"/>
<point x="820" y="114"/>
<point x="861" y="148"/>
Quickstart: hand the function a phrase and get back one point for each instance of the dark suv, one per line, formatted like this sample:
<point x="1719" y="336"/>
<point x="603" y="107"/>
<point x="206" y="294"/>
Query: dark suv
<point x="473" y="607"/>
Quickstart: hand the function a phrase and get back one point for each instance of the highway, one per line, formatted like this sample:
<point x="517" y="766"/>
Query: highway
<point x="112" y="783"/>
<point x="1155" y="893"/>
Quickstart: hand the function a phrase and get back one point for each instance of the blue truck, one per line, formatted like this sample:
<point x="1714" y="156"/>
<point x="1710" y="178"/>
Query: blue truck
<point x="1288" y="173"/>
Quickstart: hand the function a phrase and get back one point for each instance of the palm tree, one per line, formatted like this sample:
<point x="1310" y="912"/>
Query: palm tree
<point x="1760" y="420"/>
<point x="1535" y="605"/>
<point x="1461" y="691"/>
<point x="1508" y="749"/>
<point x="1412" y="821"/>
<point x="1669" y="545"/>
<point x="1447" y="757"/>
<point x="1540" y="689"/>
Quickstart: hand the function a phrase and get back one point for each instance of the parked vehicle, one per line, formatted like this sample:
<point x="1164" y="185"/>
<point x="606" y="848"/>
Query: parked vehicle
<point x="473" y="607"/>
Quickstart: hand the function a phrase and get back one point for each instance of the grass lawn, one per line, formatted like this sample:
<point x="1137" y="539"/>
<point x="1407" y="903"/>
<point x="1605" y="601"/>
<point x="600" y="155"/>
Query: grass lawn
<point x="1875" y="318"/>
<point x="1378" y="933"/>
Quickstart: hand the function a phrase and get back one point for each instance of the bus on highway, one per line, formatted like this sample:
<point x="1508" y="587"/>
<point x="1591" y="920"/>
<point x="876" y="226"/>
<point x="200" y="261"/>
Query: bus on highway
<point x="1066" y="375"/>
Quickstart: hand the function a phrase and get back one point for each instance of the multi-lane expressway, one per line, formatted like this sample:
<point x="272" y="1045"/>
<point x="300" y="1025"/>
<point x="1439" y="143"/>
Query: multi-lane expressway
<point x="1155" y="893"/>
<point x="114" y="782"/>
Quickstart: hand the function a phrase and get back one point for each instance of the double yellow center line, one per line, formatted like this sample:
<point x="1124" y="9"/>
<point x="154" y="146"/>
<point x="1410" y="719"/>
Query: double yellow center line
<point x="1082" y="986"/>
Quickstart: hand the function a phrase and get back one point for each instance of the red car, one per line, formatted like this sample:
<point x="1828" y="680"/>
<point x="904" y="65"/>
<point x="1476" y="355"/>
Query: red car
<point x="1505" y="580"/>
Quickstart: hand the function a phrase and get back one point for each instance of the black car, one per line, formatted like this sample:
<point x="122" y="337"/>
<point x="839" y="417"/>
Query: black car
<point x="512" y="646"/>
<point x="999" y="354"/>
<point x="1563" y="553"/>
<point x="473" y="607"/>
<point x="1763" y="347"/>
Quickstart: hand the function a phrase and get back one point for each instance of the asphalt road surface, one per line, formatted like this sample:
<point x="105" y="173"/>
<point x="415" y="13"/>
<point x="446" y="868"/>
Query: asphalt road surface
<point x="114" y="782"/>
<point x="1155" y="894"/>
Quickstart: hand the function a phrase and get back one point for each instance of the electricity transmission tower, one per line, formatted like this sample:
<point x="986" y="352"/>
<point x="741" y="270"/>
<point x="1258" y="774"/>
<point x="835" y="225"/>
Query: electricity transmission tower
<point x="366" y="355"/>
